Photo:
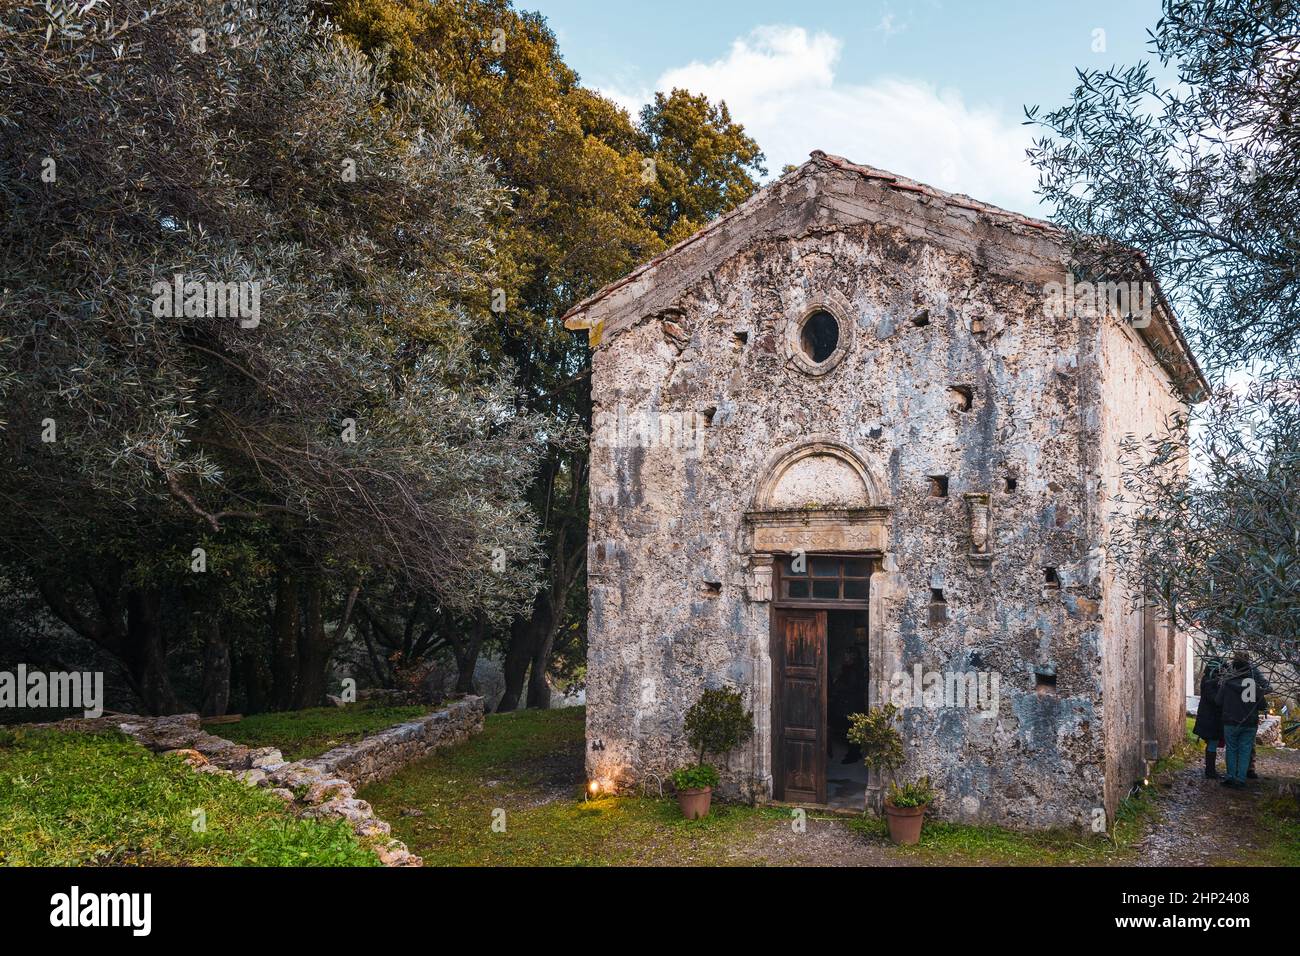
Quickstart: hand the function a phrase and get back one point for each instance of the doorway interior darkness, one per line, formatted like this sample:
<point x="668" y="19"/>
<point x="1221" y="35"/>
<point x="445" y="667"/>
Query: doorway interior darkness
<point x="820" y="676"/>
<point x="846" y="693"/>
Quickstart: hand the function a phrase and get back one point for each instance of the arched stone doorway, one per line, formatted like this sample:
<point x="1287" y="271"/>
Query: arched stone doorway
<point x="819" y="501"/>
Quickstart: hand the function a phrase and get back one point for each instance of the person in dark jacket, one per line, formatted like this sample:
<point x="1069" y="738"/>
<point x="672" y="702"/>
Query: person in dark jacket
<point x="1209" y="717"/>
<point x="1241" y="690"/>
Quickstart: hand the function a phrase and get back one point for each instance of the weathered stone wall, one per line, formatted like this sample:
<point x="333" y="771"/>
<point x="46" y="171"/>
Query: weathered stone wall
<point x="670" y="610"/>
<point x="1138" y="400"/>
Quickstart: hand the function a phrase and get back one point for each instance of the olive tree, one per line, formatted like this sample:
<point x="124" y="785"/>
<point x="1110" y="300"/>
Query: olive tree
<point x="236" y="266"/>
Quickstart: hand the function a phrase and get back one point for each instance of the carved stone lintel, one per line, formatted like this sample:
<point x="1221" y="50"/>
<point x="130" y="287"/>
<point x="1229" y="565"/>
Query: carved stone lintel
<point x="838" y="529"/>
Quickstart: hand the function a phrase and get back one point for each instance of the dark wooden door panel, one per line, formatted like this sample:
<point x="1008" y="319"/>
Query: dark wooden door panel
<point x="800" y="707"/>
<point x="801" y="770"/>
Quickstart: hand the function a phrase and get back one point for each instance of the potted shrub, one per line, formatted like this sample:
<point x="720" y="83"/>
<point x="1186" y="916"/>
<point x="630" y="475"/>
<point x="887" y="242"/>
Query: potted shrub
<point x="695" y="789"/>
<point x="905" y="810"/>
<point x="882" y="751"/>
<point x="716" y="724"/>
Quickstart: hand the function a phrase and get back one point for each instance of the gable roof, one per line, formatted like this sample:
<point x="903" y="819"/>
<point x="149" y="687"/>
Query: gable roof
<point x="829" y="191"/>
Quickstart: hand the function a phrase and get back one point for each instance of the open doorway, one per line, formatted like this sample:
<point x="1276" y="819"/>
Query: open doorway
<point x="847" y="673"/>
<point x="820" y="676"/>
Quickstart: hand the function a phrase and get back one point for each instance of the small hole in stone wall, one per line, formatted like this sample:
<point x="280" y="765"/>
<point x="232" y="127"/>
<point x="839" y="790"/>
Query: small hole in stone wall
<point x="938" y="607"/>
<point x="921" y="317"/>
<point x="708" y="414"/>
<point x="938" y="486"/>
<point x="963" y="396"/>
<point x="1011" y="484"/>
<point x="1044" y="683"/>
<point x="820" y="336"/>
<point x="712" y="587"/>
<point x="742" y="337"/>
<point x="1051" y="578"/>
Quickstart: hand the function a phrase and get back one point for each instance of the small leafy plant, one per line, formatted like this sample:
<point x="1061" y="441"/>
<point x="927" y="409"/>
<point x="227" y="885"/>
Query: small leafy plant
<point x="918" y="794"/>
<point x="875" y="732"/>
<point x="698" y="777"/>
<point x="718" y="723"/>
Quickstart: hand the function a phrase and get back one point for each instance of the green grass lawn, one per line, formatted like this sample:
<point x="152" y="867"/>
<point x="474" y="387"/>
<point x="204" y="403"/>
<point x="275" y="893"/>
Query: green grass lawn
<point x="512" y="795"/>
<point x="308" y="733"/>
<point x="529" y="765"/>
<point x="1280" y="818"/>
<point x="70" y="799"/>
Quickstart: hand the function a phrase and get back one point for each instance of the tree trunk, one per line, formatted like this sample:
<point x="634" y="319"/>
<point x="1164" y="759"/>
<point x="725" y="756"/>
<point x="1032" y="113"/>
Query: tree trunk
<point x="314" y="649"/>
<point x="515" y="666"/>
<point x="132" y="633"/>
<point x="216" y="665"/>
<point x="284" y="656"/>
<point x="526" y="637"/>
<point x="257" y="678"/>
<point x="539" y="686"/>
<point x="467" y="656"/>
<point x="146" y="653"/>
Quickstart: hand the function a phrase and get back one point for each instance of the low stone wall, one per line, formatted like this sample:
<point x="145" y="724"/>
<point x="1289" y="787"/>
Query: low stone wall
<point x="1270" y="732"/>
<point x="321" y="787"/>
<point x="387" y="751"/>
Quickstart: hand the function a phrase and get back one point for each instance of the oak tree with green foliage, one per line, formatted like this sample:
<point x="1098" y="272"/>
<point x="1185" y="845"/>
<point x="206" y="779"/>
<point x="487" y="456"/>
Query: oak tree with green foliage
<point x="593" y="194"/>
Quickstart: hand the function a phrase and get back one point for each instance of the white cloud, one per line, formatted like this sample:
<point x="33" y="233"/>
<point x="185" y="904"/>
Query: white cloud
<point x="779" y="81"/>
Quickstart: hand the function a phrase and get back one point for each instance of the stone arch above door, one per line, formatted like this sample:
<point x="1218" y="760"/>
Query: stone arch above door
<point x="817" y="496"/>
<point x="817" y="475"/>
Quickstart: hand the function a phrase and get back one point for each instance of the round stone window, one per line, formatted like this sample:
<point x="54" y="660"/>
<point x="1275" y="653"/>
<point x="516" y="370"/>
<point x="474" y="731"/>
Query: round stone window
<point x="820" y="336"/>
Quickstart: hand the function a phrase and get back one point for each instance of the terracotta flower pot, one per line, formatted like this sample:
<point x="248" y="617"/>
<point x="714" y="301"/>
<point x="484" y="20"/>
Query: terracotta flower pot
<point x="695" y="803"/>
<point x="904" y="823"/>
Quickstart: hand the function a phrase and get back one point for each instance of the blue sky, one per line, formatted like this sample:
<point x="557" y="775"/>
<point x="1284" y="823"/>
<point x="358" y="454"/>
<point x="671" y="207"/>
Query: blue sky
<point x="931" y="89"/>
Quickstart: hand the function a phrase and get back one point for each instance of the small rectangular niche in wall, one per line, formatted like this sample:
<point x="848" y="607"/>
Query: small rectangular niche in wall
<point x="1010" y="484"/>
<point x="741" y="337"/>
<point x="711" y="588"/>
<point x="1044" y="682"/>
<point x="1050" y="578"/>
<point x="921" y="317"/>
<point x="963" y="397"/>
<point x="938" y="607"/>
<point x="708" y="414"/>
<point x="938" y="486"/>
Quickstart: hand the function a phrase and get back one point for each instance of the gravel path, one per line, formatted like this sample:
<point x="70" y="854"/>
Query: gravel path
<point x="1204" y="823"/>
<point x="1200" y="823"/>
